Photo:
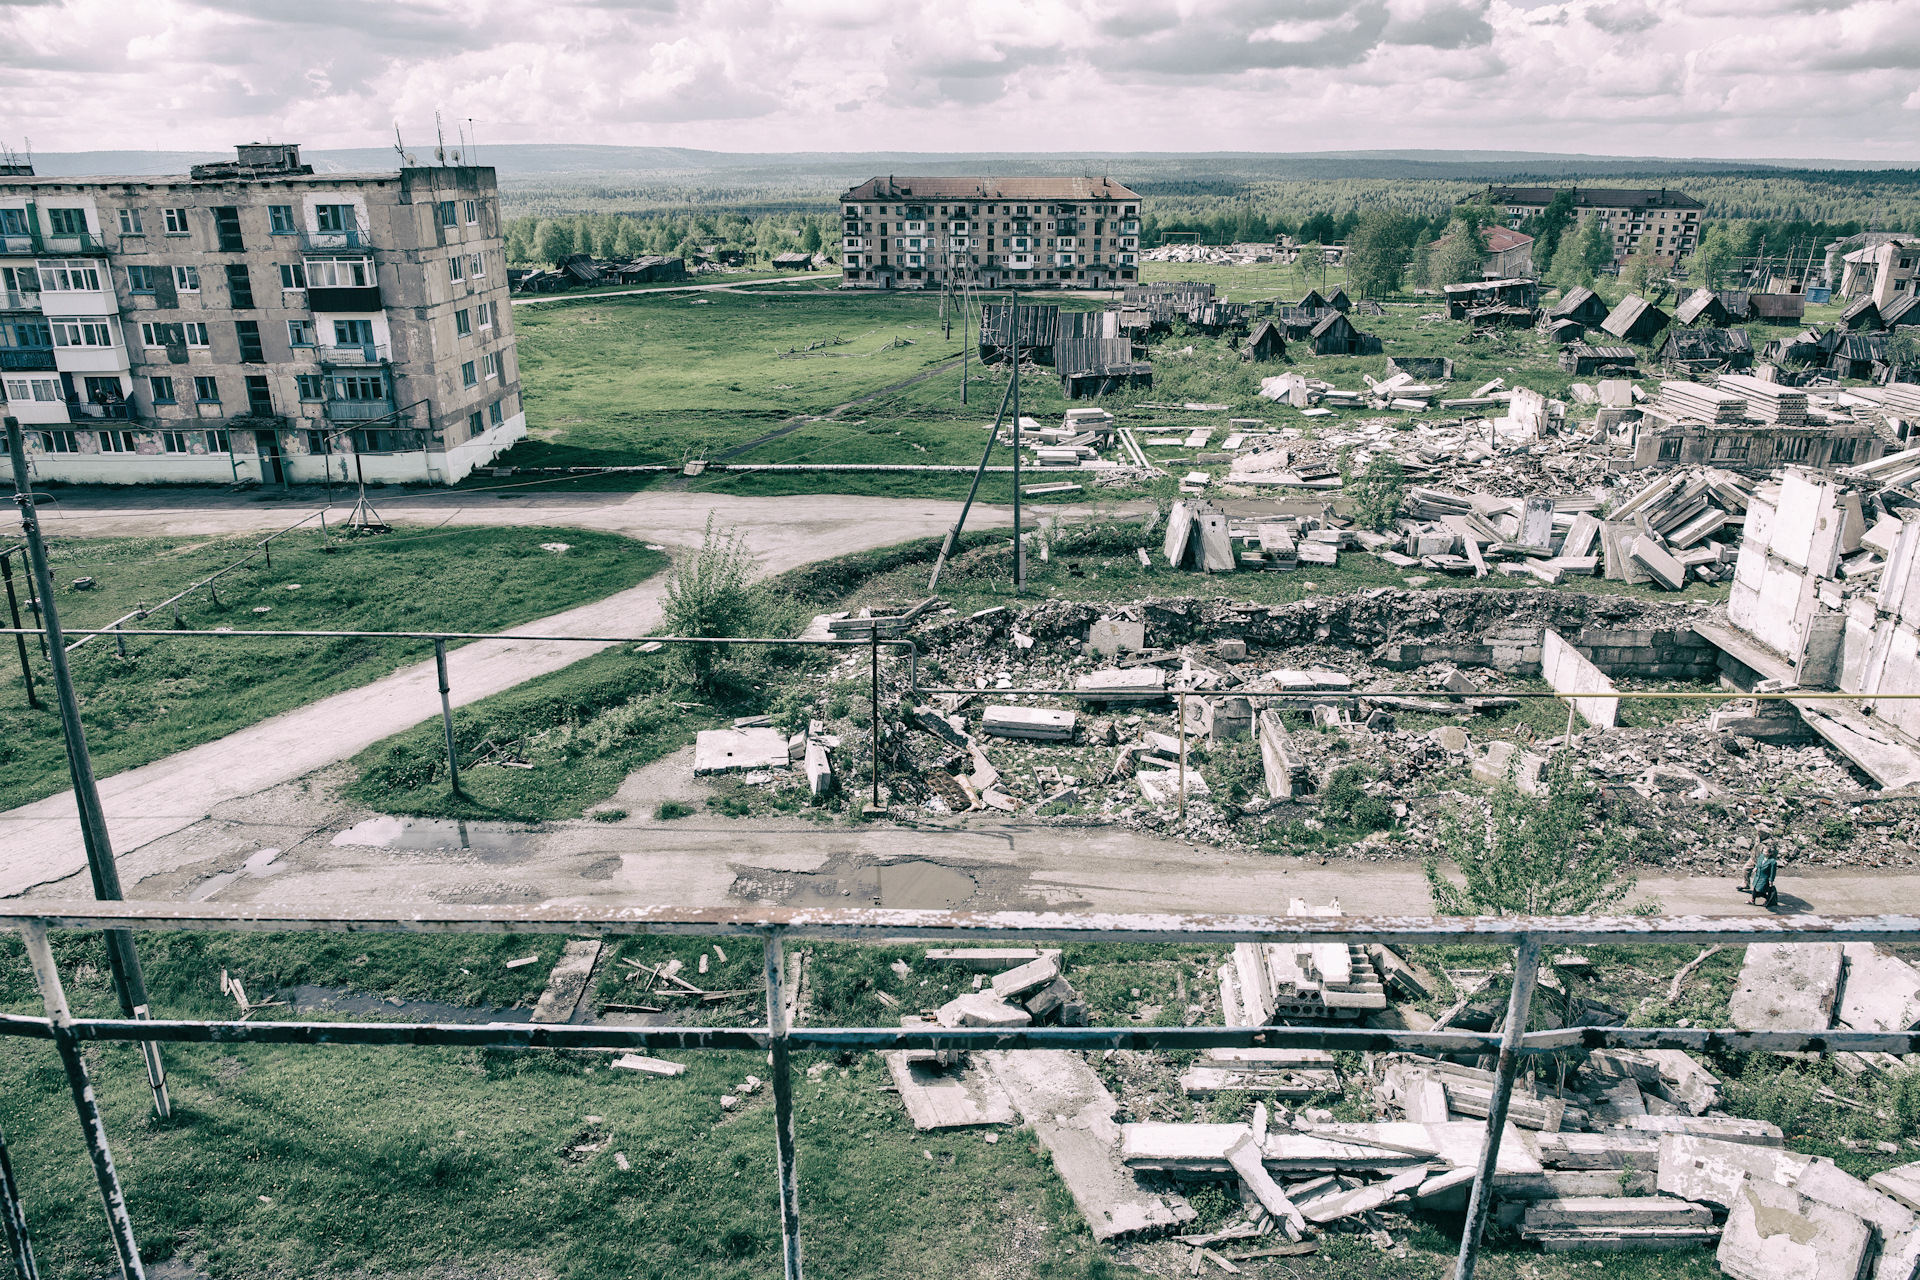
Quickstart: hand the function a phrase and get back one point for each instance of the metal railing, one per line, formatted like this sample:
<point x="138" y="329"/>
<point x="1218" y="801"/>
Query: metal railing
<point x="359" y="353"/>
<point x="27" y="358"/>
<point x="357" y="410"/>
<point x="777" y="927"/>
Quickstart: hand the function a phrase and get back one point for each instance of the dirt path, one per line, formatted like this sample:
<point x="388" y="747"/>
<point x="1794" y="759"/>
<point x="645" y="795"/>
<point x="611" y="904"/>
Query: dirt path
<point x="40" y="842"/>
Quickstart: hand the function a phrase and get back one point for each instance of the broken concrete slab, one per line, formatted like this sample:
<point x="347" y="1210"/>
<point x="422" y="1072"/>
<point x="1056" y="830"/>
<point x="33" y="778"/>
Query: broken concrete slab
<point x="1110" y="637"/>
<point x="1071" y="1112"/>
<point x="1605" y="1149"/>
<point x="1244" y="1156"/>
<point x="1901" y="1182"/>
<point x="1787" y="986"/>
<point x="1684" y="1081"/>
<point x="567" y="983"/>
<point x="1285" y="766"/>
<point x="982" y="1009"/>
<point x="1881" y="992"/>
<point x="1773" y="1233"/>
<point x="1162" y="787"/>
<point x="648" y="1066"/>
<point x="738" y="750"/>
<point x="1038" y="723"/>
<point x="1616" y="1211"/>
<point x="1365" y="1199"/>
<point x="955" y="1098"/>
<point x="1757" y="1133"/>
<point x="986" y="959"/>
<point x="1506" y="762"/>
<point x="1712" y="1171"/>
<point x="1658" y="563"/>
<point x="1827" y="1182"/>
<point x="1027" y="977"/>
<point x="1567" y="671"/>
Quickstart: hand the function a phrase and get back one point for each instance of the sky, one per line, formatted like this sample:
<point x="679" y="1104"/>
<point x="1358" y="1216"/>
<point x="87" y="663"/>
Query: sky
<point x="1814" y="79"/>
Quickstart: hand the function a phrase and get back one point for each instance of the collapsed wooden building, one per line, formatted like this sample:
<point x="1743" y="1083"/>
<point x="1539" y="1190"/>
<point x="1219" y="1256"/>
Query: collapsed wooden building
<point x="1703" y="350"/>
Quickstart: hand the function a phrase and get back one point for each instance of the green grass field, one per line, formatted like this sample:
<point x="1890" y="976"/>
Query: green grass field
<point x="166" y="696"/>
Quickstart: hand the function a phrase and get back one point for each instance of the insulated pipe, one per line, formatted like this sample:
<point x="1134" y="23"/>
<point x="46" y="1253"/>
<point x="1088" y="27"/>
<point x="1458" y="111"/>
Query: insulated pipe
<point x="47" y="975"/>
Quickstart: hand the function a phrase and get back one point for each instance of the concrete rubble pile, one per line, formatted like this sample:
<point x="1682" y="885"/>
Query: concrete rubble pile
<point x="760" y="752"/>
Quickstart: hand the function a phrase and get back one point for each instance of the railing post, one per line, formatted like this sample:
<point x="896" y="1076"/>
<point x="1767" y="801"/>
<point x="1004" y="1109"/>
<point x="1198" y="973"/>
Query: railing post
<point x="874" y="636"/>
<point x="19" y="1246"/>
<point x="46" y="974"/>
<point x="20" y="641"/>
<point x="783" y="1142"/>
<point x="1526" y="971"/>
<point x="446" y="714"/>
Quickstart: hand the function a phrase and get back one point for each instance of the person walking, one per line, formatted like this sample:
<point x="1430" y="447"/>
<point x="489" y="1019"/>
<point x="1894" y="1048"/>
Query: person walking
<point x="1760" y="874"/>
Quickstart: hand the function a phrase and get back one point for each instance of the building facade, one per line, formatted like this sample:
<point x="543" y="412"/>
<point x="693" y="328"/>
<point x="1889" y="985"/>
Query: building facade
<point x="1885" y="272"/>
<point x="924" y="233"/>
<point x="255" y="321"/>
<point x="1653" y="223"/>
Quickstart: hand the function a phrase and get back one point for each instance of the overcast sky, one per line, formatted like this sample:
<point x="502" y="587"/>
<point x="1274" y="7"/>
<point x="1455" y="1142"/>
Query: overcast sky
<point x="1733" y="78"/>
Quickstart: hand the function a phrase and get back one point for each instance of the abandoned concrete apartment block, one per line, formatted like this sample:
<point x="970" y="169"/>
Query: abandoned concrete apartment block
<point x="256" y="321"/>
<point x="920" y="233"/>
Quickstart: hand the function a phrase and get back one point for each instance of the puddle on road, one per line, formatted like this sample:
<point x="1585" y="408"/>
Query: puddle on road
<point x="493" y="843"/>
<point x="260" y="866"/>
<point x="921" y="885"/>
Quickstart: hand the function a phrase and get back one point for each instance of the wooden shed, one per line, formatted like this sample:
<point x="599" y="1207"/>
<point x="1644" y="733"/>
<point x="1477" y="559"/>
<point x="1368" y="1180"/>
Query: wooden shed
<point x="1701" y="306"/>
<point x="1268" y="341"/>
<point x="1636" y="320"/>
<point x="1336" y="336"/>
<point x="1581" y="305"/>
<point x="1339" y="300"/>
<point x="1581" y="359"/>
<point x="1861" y="316"/>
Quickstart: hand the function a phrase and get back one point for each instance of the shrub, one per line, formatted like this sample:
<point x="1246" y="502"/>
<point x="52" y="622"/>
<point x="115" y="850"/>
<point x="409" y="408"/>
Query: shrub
<point x="609" y="815"/>
<point x="667" y="810"/>
<point x="1345" y="801"/>
<point x="1377" y="493"/>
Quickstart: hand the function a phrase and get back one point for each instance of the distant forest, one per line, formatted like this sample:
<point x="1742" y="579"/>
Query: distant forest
<point x="625" y="214"/>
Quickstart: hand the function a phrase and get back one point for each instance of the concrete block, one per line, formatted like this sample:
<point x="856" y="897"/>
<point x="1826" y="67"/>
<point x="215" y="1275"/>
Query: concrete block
<point x="951" y="1099"/>
<point x="1528" y="771"/>
<point x="648" y="1066"/>
<point x="1827" y="1182"/>
<point x="1787" y="986"/>
<point x="983" y="959"/>
<point x="1162" y="787"/>
<point x="1758" y="1133"/>
<point x="738" y="750"/>
<point x="1616" y="1211"/>
<point x="1028" y="977"/>
<point x="1567" y="672"/>
<point x="1684" y="1081"/>
<point x="982" y="1009"/>
<point x="1038" y="723"/>
<point x="1605" y="1149"/>
<point x="1658" y="564"/>
<point x="1902" y="1182"/>
<point x="1773" y="1233"/>
<point x="1113" y="636"/>
<point x="1425" y="1101"/>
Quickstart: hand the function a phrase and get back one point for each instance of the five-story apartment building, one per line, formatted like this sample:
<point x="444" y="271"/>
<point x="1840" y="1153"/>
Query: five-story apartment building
<point x="257" y="321"/>
<point x="921" y="233"/>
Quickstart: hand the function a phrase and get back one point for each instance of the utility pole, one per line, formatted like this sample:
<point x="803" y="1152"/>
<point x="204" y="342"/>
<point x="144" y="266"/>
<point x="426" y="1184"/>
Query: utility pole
<point x="20" y="641"/>
<point x="128" y="979"/>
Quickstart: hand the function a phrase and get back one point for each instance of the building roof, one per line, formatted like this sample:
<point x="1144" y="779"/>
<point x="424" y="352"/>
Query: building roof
<point x="185" y="180"/>
<point x="1898" y="310"/>
<point x="1576" y="298"/>
<point x="1597" y="197"/>
<point x="1482" y="286"/>
<point x="893" y="187"/>
<point x="1504" y="239"/>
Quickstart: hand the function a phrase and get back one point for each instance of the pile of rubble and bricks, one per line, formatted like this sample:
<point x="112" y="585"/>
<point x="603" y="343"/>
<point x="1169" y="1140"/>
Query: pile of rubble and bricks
<point x="1702" y="790"/>
<point x="1605" y="1150"/>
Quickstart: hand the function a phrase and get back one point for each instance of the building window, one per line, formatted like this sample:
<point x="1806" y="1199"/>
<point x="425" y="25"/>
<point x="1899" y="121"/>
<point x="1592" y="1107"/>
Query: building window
<point x="259" y="394"/>
<point x="45" y="390"/>
<point x="339" y="273"/>
<point x="76" y="276"/>
<point x="300" y="333"/>
<point x="449" y="213"/>
<point x="311" y="386"/>
<point x="162" y="390"/>
<point x="186" y="279"/>
<point x="206" y="390"/>
<point x="140" y="279"/>
<point x="176" y="222"/>
<point x="130" y="223"/>
<point x="239" y="286"/>
<point x="334" y="219"/>
<point x="293" y="275"/>
<point x="179" y="441"/>
<point x="58" y="442"/>
<point x="157" y="335"/>
<point x="491" y="363"/>
<point x="67" y="222"/>
<point x="218" y="442"/>
<point x="248" y="333"/>
<point x="487" y="311"/>
<point x="468" y="378"/>
<point x="82" y="333"/>
<point x="476" y="424"/>
<point x="353" y="333"/>
<point x="462" y="323"/>
<point x="456" y="268"/>
<point x="1731" y="448"/>
<point x="1670" y="449"/>
<point x="472" y="210"/>
<point x="477" y="266"/>
<point x="195" y="333"/>
<point x="226" y="226"/>
<point x="360" y="386"/>
<point x="496" y="413"/>
<point x="316" y="441"/>
<point x="280" y="219"/>
<point x="115" y="441"/>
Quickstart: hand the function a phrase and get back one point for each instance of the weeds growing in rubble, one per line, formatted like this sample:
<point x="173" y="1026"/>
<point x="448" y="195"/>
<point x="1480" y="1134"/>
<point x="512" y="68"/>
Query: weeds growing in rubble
<point x="1557" y="854"/>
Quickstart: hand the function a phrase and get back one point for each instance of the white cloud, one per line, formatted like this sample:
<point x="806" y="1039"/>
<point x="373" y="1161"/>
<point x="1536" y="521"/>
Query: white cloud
<point x="1825" y="78"/>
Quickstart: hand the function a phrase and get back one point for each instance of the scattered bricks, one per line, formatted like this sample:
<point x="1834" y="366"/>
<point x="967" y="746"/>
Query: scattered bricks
<point x="1028" y="977"/>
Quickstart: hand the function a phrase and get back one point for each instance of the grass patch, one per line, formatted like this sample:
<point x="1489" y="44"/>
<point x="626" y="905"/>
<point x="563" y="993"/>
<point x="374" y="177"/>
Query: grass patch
<point x="166" y="696"/>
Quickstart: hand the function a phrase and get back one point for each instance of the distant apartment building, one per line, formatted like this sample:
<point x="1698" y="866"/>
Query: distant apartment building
<point x="921" y="233"/>
<point x="1886" y="272"/>
<point x="1654" y="223"/>
<point x="255" y="320"/>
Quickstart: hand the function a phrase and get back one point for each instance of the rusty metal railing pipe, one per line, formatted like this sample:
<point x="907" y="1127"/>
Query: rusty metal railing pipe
<point x="1526" y="972"/>
<point x="14" y="1217"/>
<point x="785" y="1150"/>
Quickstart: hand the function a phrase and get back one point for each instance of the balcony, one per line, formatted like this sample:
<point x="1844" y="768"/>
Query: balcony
<point x="358" y="410"/>
<point x="84" y="244"/>
<point x="355" y="239"/>
<point x="121" y="412"/>
<point x="25" y="359"/>
<point x="356" y="300"/>
<point x="13" y="300"/>
<point x="372" y="353"/>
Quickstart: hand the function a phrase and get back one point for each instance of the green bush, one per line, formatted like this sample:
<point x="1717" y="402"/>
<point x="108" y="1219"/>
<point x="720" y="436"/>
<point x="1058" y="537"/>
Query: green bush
<point x="1345" y="801"/>
<point x="667" y="810"/>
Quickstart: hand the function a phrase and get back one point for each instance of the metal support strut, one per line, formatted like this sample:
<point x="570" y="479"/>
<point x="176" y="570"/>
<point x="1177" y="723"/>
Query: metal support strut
<point x="875" y="647"/>
<point x="1526" y="971"/>
<point x="446" y="714"/>
<point x="783" y="1136"/>
<point x="47" y="975"/>
<point x="19" y="1246"/>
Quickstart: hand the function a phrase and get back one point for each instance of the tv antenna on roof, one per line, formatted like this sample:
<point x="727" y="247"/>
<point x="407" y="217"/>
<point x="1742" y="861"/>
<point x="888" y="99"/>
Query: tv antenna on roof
<point x="400" y="146"/>
<point x="440" y="140"/>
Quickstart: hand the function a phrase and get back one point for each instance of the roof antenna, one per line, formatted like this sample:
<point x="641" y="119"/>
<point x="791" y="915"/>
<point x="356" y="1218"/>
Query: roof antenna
<point x="398" y="145"/>
<point x="440" y="141"/>
<point x="472" y="146"/>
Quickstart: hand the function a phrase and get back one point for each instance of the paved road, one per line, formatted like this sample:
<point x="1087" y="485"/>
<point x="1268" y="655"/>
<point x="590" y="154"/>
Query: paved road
<point x="40" y="842"/>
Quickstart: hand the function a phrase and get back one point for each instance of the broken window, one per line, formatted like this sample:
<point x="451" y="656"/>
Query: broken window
<point x="311" y="386"/>
<point x="449" y="213"/>
<point x="67" y="222"/>
<point x="293" y="275"/>
<point x="140" y="279"/>
<point x="462" y="323"/>
<point x="334" y="219"/>
<point x="247" y="332"/>
<point x="359" y="386"/>
<point x="468" y="378"/>
<point x="186" y="279"/>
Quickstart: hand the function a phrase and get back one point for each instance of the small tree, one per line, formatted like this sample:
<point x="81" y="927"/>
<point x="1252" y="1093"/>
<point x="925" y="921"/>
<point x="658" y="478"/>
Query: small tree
<point x="810" y="237"/>
<point x="1458" y="258"/>
<point x="717" y="592"/>
<point x="1312" y="258"/>
<point x="1570" y="270"/>
<point x="552" y="241"/>
<point x="1596" y="245"/>
<point x="1555" y="855"/>
<point x="1713" y="258"/>
<point x="1377" y="492"/>
<point x="1637" y="274"/>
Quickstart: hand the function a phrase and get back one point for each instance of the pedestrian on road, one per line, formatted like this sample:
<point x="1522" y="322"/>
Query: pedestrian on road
<point x="1758" y="878"/>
